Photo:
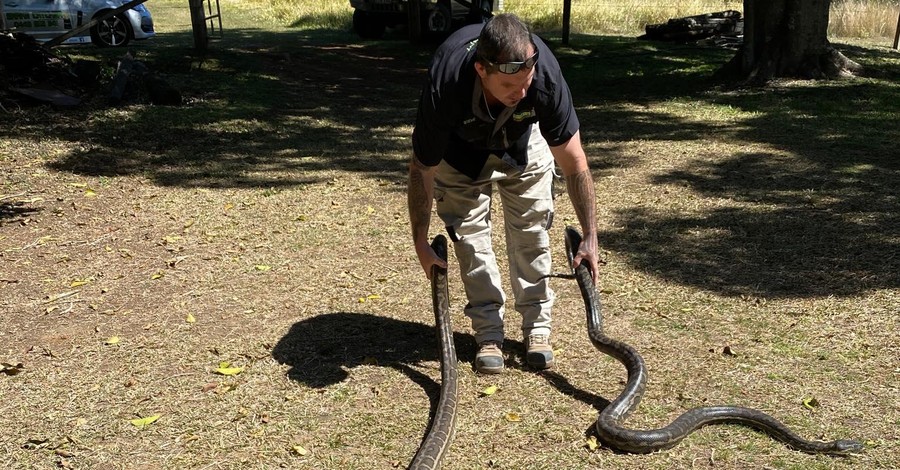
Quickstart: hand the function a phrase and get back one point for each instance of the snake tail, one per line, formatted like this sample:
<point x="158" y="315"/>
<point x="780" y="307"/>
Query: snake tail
<point x="609" y="422"/>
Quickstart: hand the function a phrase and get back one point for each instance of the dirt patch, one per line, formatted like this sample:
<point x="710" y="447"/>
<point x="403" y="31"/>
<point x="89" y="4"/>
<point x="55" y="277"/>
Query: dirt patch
<point x="264" y="225"/>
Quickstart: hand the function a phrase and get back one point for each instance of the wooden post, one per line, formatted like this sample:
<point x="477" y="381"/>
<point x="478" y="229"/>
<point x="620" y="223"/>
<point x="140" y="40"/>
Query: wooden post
<point x="414" y="16"/>
<point x="897" y="34"/>
<point x="198" y="24"/>
<point x="567" y="18"/>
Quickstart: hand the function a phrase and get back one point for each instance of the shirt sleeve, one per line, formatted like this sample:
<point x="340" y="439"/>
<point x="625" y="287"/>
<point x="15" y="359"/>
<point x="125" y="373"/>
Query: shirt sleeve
<point x="432" y="132"/>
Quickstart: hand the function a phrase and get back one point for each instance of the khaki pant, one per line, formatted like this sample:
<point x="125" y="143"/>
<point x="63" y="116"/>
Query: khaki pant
<point x="464" y="206"/>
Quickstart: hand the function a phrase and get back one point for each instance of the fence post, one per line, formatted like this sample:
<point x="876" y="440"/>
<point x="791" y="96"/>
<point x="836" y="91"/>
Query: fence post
<point x="566" y="19"/>
<point x="897" y="34"/>
<point x="414" y="20"/>
<point x="198" y="24"/>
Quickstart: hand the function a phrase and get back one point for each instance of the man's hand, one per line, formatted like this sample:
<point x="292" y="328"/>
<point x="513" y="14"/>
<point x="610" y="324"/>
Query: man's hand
<point x="587" y="251"/>
<point x="428" y="258"/>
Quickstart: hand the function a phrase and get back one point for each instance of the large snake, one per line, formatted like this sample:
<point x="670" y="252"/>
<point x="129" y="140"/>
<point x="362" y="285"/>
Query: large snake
<point x="609" y="423"/>
<point x="437" y="441"/>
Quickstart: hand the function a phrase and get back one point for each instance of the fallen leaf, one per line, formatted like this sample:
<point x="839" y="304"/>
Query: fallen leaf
<point x="156" y="275"/>
<point x="209" y="386"/>
<point x="513" y="417"/>
<point x="490" y="391"/>
<point x="225" y="388"/>
<point x="299" y="450"/>
<point x="592" y="443"/>
<point x="227" y="370"/>
<point x="190" y="318"/>
<point x="90" y="193"/>
<point x="113" y="340"/>
<point x="262" y="267"/>
<point x="11" y="369"/>
<point x="142" y="422"/>
<point x="79" y="282"/>
<point x="32" y="444"/>
<point x="810" y="402"/>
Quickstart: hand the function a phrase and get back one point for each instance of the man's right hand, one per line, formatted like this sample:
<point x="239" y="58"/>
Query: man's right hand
<point x="428" y="258"/>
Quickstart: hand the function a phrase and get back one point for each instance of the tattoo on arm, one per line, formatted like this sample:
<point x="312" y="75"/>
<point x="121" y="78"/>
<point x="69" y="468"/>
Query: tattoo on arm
<point x="419" y="201"/>
<point x="581" y="192"/>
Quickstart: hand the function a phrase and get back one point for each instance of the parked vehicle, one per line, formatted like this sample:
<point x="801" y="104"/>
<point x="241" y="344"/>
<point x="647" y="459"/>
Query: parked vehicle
<point x="372" y="17"/>
<point x="47" y="19"/>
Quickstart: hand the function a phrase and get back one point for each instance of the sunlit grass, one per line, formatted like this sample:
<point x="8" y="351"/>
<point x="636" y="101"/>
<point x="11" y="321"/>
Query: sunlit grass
<point x="848" y="18"/>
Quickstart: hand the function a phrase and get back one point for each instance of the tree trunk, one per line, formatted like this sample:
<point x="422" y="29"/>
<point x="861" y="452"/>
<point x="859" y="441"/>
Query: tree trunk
<point x="788" y="38"/>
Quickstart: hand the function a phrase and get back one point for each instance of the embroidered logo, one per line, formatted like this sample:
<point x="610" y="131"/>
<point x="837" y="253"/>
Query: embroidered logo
<point x="519" y="117"/>
<point x="471" y="45"/>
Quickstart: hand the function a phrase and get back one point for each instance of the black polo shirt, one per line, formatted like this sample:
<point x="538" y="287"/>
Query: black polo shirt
<point x="454" y="124"/>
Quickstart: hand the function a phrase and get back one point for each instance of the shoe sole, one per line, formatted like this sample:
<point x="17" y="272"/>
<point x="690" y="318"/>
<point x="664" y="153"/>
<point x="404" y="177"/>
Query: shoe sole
<point x="538" y="361"/>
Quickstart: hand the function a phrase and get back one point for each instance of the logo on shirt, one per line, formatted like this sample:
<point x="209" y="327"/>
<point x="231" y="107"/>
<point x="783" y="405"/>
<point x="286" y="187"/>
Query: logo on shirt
<point x="471" y="45"/>
<point x="519" y="117"/>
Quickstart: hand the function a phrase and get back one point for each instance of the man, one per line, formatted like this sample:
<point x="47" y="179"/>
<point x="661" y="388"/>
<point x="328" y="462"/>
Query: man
<point x="496" y="110"/>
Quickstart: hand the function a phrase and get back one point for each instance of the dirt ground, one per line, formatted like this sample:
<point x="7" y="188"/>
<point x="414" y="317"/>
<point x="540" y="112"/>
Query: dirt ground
<point x="144" y="252"/>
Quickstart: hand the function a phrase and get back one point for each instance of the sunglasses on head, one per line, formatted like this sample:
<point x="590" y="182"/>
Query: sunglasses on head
<point x="514" y="67"/>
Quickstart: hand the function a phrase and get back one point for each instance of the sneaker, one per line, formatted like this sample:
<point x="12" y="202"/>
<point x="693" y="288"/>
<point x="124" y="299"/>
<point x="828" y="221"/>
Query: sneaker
<point x="539" y="353"/>
<point x="489" y="359"/>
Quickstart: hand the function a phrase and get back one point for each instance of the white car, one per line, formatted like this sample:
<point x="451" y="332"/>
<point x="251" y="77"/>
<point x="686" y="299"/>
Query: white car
<point x="47" y="19"/>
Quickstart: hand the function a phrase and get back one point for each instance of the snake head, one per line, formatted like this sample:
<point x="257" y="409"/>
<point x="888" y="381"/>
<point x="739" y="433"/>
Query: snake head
<point x="847" y="446"/>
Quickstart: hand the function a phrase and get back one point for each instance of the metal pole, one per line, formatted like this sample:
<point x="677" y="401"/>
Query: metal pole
<point x="567" y="18"/>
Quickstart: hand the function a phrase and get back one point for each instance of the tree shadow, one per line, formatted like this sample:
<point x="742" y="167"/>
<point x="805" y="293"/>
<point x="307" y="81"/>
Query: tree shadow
<point x="814" y="215"/>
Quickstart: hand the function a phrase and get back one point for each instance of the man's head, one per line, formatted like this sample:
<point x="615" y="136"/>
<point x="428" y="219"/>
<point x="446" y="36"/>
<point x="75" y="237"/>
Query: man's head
<point x="505" y="58"/>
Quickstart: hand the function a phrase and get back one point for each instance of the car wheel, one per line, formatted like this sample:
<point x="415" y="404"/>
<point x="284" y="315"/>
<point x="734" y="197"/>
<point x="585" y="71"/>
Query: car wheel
<point x="114" y="31"/>
<point x="438" y="20"/>
<point x="367" y="25"/>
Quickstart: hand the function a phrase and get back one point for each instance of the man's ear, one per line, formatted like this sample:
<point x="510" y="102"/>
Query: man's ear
<point x="481" y="69"/>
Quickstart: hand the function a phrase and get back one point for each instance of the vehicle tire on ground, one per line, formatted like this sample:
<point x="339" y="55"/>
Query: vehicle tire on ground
<point x="367" y="25"/>
<point x="114" y="31"/>
<point x="438" y="20"/>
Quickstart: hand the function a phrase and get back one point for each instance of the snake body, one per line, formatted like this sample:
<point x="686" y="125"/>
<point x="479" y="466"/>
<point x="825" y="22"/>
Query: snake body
<point x="609" y="422"/>
<point x="437" y="441"/>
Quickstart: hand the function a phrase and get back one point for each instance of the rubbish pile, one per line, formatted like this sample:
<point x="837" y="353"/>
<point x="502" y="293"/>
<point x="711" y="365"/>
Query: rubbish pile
<point x="31" y="73"/>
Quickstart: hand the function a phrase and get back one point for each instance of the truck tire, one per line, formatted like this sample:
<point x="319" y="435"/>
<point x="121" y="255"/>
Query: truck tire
<point x="368" y="25"/>
<point x="438" y="20"/>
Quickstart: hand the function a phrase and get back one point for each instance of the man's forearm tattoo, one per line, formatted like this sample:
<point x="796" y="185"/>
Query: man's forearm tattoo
<point x="419" y="203"/>
<point x="581" y="192"/>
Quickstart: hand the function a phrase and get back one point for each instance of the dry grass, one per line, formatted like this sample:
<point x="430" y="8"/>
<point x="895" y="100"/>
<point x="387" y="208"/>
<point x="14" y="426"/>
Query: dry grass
<point x="271" y="208"/>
